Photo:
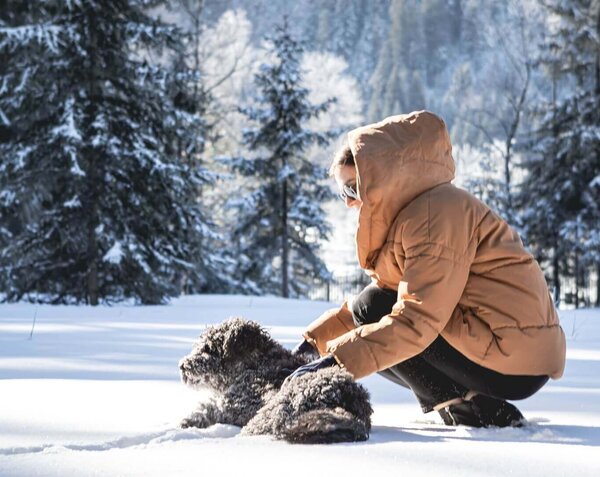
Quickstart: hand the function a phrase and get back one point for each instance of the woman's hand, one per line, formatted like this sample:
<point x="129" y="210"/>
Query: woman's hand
<point x="321" y="363"/>
<point x="303" y="347"/>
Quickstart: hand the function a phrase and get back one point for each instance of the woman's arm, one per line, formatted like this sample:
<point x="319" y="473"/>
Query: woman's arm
<point x="433" y="282"/>
<point x="331" y="324"/>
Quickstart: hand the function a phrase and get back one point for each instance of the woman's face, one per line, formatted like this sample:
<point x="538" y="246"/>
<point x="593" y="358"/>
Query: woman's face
<point x="346" y="176"/>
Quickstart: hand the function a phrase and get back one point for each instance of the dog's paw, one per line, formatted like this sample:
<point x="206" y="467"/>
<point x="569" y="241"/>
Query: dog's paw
<point x="196" y="420"/>
<point x="325" y="426"/>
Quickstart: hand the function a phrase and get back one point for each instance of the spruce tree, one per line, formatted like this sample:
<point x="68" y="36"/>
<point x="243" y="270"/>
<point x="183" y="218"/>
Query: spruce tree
<point x="279" y="220"/>
<point x="497" y="101"/>
<point x="191" y="131"/>
<point x="11" y="14"/>
<point x="562" y="190"/>
<point x="398" y="87"/>
<point x="104" y="197"/>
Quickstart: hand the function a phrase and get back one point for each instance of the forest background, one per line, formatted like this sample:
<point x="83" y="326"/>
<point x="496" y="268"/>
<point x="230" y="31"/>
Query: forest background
<point x="150" y="149"/>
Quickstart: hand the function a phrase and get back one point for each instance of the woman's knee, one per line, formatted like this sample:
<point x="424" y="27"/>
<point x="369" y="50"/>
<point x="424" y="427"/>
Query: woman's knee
<point x="358" y="315"/>
<point x="521" y="387"/>
<point x="372" y="304"/>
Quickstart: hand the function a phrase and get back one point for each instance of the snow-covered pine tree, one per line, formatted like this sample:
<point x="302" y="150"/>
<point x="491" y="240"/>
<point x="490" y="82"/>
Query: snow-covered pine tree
<point x="91" y="165"/>
<point x="279" y="219"/>
<point x="561" y="192"/>
<point x="496" y="101"/>
<point x="191" y="130"/>
<point x="399" y="86"/>
<point x="11" y="13"/>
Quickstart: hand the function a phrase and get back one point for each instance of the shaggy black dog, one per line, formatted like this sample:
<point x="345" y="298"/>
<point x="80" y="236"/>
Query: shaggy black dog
<point x="245" y="368"/>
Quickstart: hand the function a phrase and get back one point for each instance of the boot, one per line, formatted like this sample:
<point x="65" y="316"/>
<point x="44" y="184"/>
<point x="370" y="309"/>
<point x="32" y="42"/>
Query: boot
<point x="478" y="410"/>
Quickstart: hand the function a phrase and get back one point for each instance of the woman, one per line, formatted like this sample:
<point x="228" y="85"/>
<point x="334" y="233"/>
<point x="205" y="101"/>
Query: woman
<point x="457" y="310"/>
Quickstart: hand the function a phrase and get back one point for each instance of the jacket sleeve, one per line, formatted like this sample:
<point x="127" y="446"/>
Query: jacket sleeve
<point x="433" y="281"/>
<point x="331" y="324"/>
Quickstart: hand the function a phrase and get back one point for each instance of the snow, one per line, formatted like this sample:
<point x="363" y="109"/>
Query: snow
<point x="96" y="391"/>
<point x="68" y="128"/>
<point x="3" y="118"/>
<point x="115" y="254"/>
<point x="7" y="197"/>
<point x="75" y="168"/>
<point x="72" y="203"/>
<point x="47" y="35"/>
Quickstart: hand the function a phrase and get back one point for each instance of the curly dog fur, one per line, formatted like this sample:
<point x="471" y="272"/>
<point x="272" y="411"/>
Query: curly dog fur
<point x="245" y="368"/>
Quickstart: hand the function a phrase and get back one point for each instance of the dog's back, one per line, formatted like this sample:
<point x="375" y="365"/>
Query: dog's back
<point x="322" y="407"/>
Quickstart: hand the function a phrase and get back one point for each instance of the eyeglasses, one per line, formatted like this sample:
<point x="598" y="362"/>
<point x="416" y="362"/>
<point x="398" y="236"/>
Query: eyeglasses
<point x="348" y="191"/>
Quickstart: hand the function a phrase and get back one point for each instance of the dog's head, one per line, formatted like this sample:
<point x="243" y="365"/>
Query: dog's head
<point x="223" y="351"/>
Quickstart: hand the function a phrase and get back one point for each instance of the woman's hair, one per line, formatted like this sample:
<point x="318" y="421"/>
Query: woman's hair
<point x="343" y="157"/>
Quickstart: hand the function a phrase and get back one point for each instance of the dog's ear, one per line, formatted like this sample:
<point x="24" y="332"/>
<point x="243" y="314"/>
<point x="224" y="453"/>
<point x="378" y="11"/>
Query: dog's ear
<point x="245" y="338"/>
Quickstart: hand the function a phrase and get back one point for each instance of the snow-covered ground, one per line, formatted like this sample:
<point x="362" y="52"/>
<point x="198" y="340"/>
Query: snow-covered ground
<point x="96" y="391"/>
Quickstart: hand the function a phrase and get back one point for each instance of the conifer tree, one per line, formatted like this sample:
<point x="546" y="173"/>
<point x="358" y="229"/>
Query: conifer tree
<point x="190" y="133"/>
<point x="398" y="84"/>
<point x="91" y="169"/>
<point x="279" y="219"/>
<point x="562" y="189"/>
<point x="10" y="13"/>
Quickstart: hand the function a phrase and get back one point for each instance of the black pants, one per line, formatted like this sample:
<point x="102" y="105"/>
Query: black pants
<point x="440" y="373"/>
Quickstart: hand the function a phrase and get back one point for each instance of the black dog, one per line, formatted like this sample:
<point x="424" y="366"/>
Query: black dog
<point x="246" y="369"/>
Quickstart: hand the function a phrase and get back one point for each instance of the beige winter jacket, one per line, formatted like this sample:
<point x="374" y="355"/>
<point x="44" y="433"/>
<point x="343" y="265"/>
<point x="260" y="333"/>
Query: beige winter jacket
<point x="459" y="269"/>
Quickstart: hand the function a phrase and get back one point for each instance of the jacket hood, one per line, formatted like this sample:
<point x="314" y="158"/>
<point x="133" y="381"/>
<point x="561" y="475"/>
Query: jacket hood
<point x="396" y="159"/>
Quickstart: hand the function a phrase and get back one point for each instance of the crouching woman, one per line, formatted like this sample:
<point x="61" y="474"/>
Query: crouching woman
<point x="458" y="311"/>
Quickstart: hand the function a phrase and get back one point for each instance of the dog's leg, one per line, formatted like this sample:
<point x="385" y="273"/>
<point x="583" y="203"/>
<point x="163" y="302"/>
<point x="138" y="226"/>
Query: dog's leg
<point x="205" y="415"/>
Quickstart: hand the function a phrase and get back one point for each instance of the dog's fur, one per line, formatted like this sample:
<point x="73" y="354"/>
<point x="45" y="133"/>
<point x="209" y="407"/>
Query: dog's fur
<point x="245" y="368"/>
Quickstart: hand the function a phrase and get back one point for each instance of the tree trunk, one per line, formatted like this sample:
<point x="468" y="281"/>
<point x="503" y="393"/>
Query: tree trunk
<point x="514" y="127"/>
<point x="92" y="277"/>
<point x="92" y="224"/>
<point x="556" y="275"/>
<point x="92" y="176"/>
<point x="598" y="152"/>
<point x="577" y="274"/>
<point x="597" y="304"/>
<point x="284" y="244"/>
